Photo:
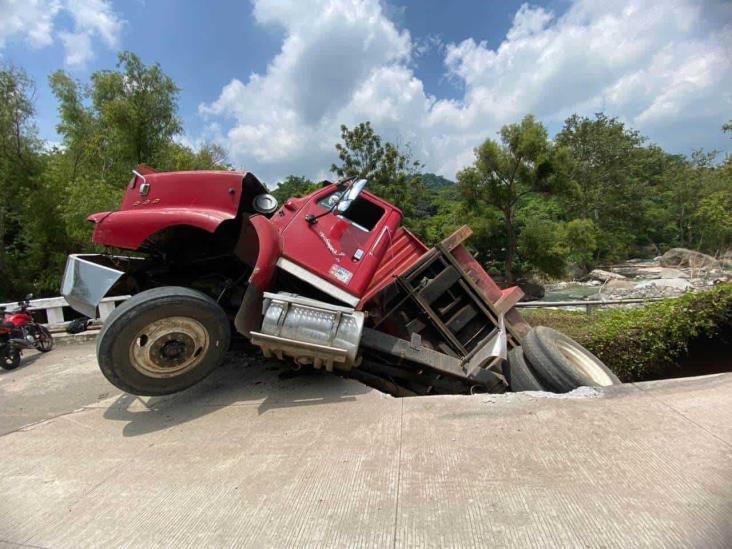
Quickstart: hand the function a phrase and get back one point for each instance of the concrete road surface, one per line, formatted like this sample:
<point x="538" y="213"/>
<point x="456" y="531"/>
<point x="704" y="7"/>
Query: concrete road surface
<point x="47" y="385"/>
<point x="251" y="459"/>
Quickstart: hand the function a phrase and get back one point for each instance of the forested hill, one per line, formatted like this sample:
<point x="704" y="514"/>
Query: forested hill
<point x="539" y="205"/>
<point x="434" y="182"/>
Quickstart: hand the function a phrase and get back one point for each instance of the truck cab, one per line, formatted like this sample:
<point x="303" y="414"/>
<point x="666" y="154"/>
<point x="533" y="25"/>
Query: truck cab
<point x="337" y="251"/>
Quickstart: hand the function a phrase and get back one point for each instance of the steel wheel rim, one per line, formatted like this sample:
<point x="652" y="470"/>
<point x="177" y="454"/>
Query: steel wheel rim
<point x="169" y="347"/>
<point x="584" y="363"/>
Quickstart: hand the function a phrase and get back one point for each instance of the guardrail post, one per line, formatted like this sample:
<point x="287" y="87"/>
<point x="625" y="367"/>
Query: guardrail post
<point x="55" y="315"/>
<point x="105" y="309"/>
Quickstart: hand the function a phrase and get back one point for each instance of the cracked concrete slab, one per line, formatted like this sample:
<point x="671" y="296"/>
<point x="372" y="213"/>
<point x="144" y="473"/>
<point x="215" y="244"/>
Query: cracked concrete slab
<point x="253" y="459"/>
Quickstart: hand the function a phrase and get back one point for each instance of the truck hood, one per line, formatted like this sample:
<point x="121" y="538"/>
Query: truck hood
<point x="155" y="201"/>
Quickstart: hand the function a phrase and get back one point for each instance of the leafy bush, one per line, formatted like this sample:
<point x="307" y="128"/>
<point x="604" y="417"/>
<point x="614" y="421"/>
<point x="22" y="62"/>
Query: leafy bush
<point x="640" y="343"/>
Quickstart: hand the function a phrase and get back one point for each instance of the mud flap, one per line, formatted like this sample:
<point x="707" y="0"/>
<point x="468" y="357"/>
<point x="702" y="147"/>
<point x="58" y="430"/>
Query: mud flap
<point x="492" y="353"/>
<point x="249" y="316"/>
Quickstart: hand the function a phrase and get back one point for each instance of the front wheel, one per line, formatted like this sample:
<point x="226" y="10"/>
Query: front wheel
<point x="162" y="341"/>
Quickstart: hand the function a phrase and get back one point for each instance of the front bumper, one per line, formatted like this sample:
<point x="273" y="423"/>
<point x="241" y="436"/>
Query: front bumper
<point x="88" y="278"/>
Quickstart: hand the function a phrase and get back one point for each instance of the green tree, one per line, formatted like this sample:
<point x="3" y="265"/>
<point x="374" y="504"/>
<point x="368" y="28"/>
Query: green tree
<point x="714" y="217"/>
<point x="293" y="186"/>
<point x="19" y="167"/>
<point x="505" y="173"/>
<point x="137" y="105"/>
<point x="179" y="157"/>
<point x="611" y="176"/>
<point x="543" y="244"/>
<point x="392" y="173"/>
<point x="122" y="118"/>
<point x="582" y="238"/>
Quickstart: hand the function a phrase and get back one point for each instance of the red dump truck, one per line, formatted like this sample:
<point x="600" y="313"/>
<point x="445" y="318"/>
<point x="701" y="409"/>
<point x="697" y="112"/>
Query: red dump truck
<point x="331" y="280"/>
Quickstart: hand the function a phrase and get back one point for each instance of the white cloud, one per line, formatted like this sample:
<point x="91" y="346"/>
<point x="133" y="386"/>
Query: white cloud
<point x="663" y="67"/>
<point x="30" y="19"/>
<point x="78" y="47"/>
<point x="33" y="21"/>
<point x="96" y="17"/>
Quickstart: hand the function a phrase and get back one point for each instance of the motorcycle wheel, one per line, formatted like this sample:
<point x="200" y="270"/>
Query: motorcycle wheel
<point x="44" y="343"/>
<point x="11" y="359"/>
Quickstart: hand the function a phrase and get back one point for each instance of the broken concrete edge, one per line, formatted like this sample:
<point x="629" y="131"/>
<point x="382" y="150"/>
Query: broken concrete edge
<point x="75" y="339"/>
<point x="622" y="390"/>
<point x="579" y="393"/>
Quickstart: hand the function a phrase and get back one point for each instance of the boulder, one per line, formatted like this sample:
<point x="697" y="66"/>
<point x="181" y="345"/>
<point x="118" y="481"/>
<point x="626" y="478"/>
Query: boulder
<point x="620" y="284"/>
<point x="670" y="272"/>
<point x="604" y="276"/>
<point x="680" y="284"/>
<point x="637" y="270"/>
<point x="681" y="257"/>
<point x="532" y="290"/>
<point x="726" y="258"/>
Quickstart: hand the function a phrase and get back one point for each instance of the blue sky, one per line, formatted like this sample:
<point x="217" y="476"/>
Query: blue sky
<point x="272" y="80"/>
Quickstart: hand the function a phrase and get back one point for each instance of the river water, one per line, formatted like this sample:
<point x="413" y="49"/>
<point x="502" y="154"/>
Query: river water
<point x="572" y="292"/>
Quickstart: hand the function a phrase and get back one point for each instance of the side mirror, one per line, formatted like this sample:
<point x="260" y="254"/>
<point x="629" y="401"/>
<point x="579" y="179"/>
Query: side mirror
<point x="350" y="195"/>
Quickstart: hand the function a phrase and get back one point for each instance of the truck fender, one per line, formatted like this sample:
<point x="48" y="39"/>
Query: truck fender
<point x="268" y="251"/>
<point x="258" y="237"/>
<point x="128" y="229"/>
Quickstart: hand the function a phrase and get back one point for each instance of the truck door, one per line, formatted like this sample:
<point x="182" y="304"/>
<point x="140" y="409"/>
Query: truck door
<point x="342" y="250"/>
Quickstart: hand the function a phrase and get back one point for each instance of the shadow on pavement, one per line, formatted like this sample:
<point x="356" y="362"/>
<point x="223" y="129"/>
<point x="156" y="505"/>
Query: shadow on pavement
<point x="241" y="380"/>
<point x="25" y="361"/>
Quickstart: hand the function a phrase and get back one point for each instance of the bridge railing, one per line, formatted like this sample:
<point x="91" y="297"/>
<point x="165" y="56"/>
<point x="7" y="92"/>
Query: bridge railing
<point x="56" y="313"/>
<point x="588" y="305"/>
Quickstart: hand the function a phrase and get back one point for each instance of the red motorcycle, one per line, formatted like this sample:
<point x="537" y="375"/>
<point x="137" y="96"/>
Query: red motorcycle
<point x="19" y="331"/>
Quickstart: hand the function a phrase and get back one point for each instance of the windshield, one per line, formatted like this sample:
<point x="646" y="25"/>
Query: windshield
<point x="329" y="202"/>
<point x="362" y="214"/>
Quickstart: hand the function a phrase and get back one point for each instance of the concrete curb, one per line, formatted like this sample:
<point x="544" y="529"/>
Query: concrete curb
<point x="62" y="338"/>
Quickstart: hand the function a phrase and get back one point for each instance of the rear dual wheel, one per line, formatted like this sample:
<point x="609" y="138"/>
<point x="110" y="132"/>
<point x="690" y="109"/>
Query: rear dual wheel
<point x="549" y="360"/>
<point x="162" y="341"/>
<point x="519" y="375"/>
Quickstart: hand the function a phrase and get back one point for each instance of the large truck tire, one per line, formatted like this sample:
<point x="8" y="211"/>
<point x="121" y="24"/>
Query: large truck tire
<point x="162" y="341"/>
<point x="518" y="373"/>
<point x="562" y="364"/>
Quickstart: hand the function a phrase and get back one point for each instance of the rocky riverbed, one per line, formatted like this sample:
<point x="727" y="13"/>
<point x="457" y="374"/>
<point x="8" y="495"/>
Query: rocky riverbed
<point x="677" y="272"/>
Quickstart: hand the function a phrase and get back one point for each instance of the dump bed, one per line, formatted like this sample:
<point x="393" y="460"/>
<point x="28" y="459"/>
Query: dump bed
<point x="441" y="311"/>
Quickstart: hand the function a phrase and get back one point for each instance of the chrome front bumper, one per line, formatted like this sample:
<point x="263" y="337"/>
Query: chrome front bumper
<point x="88" y="278"/>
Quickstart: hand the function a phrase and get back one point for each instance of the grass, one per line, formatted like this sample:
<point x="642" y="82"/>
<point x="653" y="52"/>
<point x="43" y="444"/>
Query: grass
<point x="640" y="343"/>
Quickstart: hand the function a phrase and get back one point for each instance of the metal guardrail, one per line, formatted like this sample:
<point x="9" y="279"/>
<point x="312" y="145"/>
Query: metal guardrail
<point x="589" y="305"/>
<point x="55" y="308"/>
